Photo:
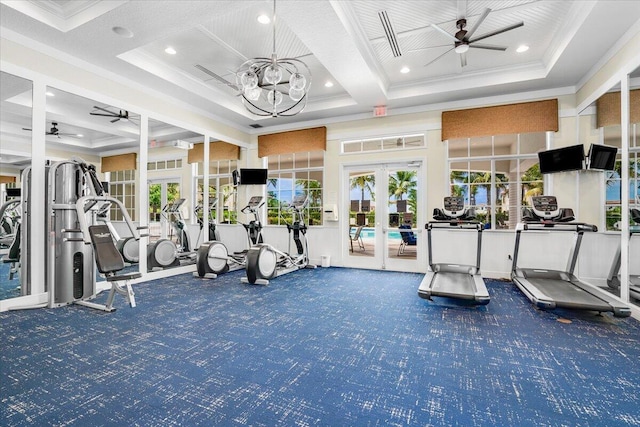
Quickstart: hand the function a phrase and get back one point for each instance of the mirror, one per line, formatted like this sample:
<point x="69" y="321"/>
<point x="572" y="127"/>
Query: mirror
<point x="173" y="233"/>
<point x="92" y="130"/>
<point x="634" y="187"/>
<point x="15" y="156"/>
<point x="223" y="197"/>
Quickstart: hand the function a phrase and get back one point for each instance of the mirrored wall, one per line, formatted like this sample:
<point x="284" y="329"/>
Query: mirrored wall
<point x="174" y="234"/>
<point x="15" y="156"/>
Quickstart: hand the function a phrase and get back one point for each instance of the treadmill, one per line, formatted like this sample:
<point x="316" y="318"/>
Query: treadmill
<point x="550" y="289"/>
<point x="613" y="280"/>
<point x="458" y="281"/>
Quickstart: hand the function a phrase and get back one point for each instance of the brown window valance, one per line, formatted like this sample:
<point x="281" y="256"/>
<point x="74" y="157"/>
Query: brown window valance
<point x="122" y="162"/>
<point x="538" y="116"/>
<point x="294" y="141"/>
<point x="608" y="108"/>
<point x="218" y="150"/>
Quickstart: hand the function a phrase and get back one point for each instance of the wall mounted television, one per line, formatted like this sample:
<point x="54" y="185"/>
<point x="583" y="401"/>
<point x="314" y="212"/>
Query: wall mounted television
<point x="253" y="176"/>
<point x="562" y="159"/>
<point x="602" y="157"/>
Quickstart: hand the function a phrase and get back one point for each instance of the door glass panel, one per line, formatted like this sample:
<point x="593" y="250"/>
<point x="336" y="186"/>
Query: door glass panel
<point x="362" y="232"/>
<point x="402" y="204"/>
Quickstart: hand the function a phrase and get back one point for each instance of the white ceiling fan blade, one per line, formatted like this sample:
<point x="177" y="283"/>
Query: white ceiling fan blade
<point x="496" y="32"/>
<point x="445" y="33"/>
<point x="463" y="59"/>
<point x="484" y="15"/>
<point x="438" y="57"/>
<point x="488" y="46"/>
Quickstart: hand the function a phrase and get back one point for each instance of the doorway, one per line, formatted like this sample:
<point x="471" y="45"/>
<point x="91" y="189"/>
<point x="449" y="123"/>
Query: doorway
<point x="162" y="193"/>
<point x="383" y="216"/>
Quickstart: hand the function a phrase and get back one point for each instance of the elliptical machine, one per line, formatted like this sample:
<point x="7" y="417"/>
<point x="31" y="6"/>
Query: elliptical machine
<point x="265" y="262"/>
<point x="213" y="257"/>
<point x="163" y="253"/>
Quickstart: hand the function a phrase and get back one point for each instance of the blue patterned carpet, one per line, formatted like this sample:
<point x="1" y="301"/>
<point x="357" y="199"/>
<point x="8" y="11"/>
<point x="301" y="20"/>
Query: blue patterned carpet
<point x="325" y="347"/>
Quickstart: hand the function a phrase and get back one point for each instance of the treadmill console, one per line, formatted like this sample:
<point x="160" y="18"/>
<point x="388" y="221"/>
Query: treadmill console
<point x="545" y="209"/>
<point x="454" y="210"/>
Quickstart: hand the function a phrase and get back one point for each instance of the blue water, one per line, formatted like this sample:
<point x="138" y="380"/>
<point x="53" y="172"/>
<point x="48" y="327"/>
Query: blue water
<point x="371" y="233"/>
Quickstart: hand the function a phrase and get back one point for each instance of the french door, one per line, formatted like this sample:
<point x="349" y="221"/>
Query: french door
<point x="383" y="222"/>
<point x="161" y="193"/>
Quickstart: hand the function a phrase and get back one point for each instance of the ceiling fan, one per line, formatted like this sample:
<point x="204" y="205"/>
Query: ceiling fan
<point x="121" y="115"/>
<point x="55" y="131"/>
<point x="463" y="40"/>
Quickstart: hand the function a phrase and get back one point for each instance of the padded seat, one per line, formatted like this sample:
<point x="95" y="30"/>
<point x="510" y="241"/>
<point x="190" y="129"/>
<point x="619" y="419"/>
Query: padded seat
<point x="109" y="261"/>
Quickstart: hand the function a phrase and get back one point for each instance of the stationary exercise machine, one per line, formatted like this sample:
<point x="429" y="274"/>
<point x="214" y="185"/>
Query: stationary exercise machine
<point x="265" y="262"/>
<point x="550" y="289"/>
<point x="458" y="281"/>
<point x="73" y="196"/>
<point x="613" y="279"/>
<point x="163" y="253"/>
<point x="213" y="257"/>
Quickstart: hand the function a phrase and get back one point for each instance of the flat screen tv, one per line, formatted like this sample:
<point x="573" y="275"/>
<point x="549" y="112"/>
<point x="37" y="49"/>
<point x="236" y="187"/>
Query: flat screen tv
<point x="602" y="157"/>
<point x="253" y="176"/>
<point x="13" y="192"/>
<point x="562" y="159"/>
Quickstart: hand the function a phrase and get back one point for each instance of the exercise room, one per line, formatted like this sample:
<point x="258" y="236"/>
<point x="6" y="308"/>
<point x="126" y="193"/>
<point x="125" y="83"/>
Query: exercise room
<point x="320" y="213"/>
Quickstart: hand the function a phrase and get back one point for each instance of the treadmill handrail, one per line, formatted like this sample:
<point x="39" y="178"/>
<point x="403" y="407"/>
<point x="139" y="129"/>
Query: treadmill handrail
<point x="556" y="226"/>
<point x="472" y="225"/>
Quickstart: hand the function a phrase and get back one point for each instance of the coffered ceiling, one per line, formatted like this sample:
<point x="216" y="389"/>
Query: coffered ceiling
<point x="344" y="43"/>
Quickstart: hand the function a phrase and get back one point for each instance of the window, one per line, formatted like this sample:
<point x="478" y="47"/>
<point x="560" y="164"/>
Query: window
<point x="613" y="185"/>
<point x="220" y="187"/>
<point x="290" y="175"/>
<point x="496" y="175"/>
<point x="164" y="165"/>
<point x="122" y="186"/>
<point x="383" y="144"/>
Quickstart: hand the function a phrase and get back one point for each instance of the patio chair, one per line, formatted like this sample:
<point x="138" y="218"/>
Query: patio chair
<point x="408" y="238"/>
<point x="356" y="237"/>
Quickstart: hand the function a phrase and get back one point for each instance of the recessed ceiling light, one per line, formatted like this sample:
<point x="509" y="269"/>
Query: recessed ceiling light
<point x="405" y="70"/>
<point x="328" y="84"/>
<point x="122" y="32"/>
<point x="264" y="19"/>
<point x="522" y="48"/>
<point x="79" y="135"/>
<point x="50" y="93"/>
<point x="170" y="50"/>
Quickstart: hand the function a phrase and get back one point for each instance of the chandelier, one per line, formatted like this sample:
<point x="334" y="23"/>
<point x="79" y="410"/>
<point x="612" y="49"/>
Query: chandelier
<point x="272" y="86"/>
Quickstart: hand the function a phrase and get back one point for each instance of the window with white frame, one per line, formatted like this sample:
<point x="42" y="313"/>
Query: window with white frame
<point x="164" y="164"/>
<point x="387" y="143"/>
<point x="613" y="179"/>
<point x="122" y="186"/>
<point x="221" y="188"/>
<point x="290" y="175"/>
<point x="497" y="175"/>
